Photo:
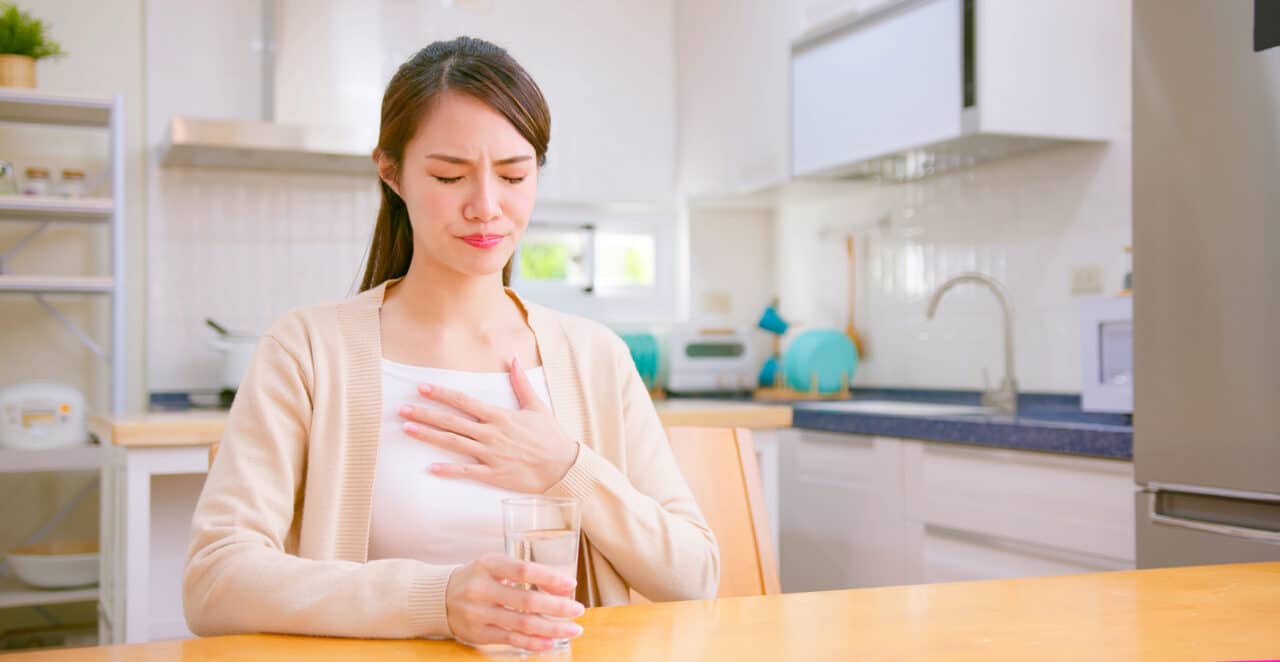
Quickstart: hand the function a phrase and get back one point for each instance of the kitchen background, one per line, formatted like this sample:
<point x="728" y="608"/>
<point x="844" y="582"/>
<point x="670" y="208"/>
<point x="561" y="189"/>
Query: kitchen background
<point x="670" y="136"/>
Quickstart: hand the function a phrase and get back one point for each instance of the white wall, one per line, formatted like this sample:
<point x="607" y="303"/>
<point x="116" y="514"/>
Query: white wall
<point x="731" y="262"/>
<point x="1026" y="221"/>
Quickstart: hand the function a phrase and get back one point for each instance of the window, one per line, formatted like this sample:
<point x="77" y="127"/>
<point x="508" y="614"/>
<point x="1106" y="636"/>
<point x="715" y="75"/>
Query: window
<point x="611" y="263"/>
<point x="556" y="256"/>
<point x="626" y="261"/>
<point x="586" y="258"/>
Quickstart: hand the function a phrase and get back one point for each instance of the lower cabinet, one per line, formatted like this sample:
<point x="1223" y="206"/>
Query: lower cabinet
<point x="871" y="511"/>
<point x="843" y="519"/>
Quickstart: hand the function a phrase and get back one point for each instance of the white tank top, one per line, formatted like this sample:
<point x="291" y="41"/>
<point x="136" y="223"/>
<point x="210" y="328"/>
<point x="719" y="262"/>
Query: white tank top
<point x="418" y="515"/>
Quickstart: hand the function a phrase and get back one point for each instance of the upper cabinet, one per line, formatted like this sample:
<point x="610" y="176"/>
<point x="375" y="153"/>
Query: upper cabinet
<point x="731" y="95"/>
<point x="905" y="89"/>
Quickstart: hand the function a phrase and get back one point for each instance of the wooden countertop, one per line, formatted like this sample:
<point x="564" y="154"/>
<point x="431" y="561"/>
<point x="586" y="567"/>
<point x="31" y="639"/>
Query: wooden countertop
<point x="204" y="427"/>
<point x="1227" y="612"/>
<point x="185" y="428"/>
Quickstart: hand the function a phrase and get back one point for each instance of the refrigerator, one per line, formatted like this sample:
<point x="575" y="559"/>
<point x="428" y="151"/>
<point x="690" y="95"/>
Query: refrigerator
<point x="1206" y="222"/>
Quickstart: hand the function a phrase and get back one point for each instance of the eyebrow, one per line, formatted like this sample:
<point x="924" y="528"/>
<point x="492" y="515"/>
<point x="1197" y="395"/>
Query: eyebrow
<point x="461" y="161"/>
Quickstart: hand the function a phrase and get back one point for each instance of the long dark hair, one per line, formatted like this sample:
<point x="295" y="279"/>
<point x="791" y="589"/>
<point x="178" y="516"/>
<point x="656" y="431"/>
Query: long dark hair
<point x="467" y="65"/>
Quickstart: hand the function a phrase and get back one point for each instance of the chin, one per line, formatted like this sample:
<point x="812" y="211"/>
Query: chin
<point x="481" y="268"/>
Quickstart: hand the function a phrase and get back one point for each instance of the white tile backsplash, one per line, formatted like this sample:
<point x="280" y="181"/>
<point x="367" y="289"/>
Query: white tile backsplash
<point x="243" y="248"/>
<point x="1026" y="221"/>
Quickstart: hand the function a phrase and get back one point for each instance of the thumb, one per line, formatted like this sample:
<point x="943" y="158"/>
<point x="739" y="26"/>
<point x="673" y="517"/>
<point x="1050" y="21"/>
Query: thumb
<point x="525" y="393"/>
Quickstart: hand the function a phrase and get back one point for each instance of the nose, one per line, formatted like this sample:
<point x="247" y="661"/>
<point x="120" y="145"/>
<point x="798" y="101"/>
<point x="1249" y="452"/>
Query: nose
<point x="482" y="205"/>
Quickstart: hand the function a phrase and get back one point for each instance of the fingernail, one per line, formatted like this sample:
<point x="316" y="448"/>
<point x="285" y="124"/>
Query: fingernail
<point x="575" y="630"/>
<point x="424" y="389"/>
<point x="411" y="427"/>
<point x="578" y="609"/>
<point x="406" y="410"/>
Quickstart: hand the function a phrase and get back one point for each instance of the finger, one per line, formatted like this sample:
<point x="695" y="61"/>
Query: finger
<point x="444" y="439"/>
<point x="536" y="602"/>
<point x="523" y="572"/>
<point x="532" y="625"/>
<point x="481" y="411"/>
<point x="492" y="634"/>
<point x="525" y="393"/>
<point x="444" y="420"/>
<point x="478" y="472"/>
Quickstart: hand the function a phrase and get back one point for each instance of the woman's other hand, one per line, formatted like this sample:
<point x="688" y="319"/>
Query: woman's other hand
<point x="484" y="605"/>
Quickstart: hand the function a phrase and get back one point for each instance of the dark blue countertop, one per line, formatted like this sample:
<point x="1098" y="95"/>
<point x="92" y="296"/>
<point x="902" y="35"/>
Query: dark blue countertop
<point x="1045" y="422"/>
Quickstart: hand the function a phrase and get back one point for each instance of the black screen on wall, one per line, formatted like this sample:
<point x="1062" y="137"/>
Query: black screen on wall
<point x="1266" y="24"/>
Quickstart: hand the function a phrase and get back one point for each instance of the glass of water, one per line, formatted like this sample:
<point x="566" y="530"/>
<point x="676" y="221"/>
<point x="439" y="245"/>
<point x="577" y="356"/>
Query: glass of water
<point x="543" y="530"/>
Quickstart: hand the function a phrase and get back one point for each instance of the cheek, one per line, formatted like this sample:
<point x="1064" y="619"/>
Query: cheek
<point x="429" y="206"/>
<point x="520" y="202"/>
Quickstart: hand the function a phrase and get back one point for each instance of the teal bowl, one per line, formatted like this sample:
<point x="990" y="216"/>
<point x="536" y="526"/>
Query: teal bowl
<point x="645" y="354"/>
<point x="826" y="353"/>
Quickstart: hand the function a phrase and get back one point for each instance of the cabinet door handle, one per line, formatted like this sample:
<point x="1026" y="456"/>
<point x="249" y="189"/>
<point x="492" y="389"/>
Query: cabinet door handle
<point x="1209" y="527"/>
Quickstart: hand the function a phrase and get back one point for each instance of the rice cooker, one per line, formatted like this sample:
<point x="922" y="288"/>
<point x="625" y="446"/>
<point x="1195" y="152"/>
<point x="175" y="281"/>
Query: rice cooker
<point x="40" y="415"/>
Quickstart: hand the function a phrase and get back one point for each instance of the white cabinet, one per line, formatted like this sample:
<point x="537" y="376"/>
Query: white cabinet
<point x="893" y="83"/>
<point x="903" y="89"/>
<point x="731" y="95"/>
<point x="863" y="511"/>
<point x="980" y="513"/>
<point x="843" y="523"/>
<point x="803" y="16"/>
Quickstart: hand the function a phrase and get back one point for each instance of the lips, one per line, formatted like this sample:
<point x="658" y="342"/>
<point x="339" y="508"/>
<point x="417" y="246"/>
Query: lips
<point x="483" y="240"/>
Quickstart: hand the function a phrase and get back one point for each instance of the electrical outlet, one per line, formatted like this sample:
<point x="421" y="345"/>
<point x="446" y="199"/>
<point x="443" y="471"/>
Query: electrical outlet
<point x="717" y="302"/>
<point x="1086" y="280"/>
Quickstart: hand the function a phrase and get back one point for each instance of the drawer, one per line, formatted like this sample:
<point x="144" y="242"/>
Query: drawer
<point x="1051" y="501"/>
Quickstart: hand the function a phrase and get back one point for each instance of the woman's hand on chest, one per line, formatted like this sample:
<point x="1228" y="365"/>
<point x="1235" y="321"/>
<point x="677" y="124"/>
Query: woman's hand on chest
<point x="522" y="450"/>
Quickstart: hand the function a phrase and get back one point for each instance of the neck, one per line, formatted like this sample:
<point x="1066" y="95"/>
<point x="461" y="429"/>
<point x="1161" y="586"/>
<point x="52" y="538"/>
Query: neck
<point x="431" y="294"/>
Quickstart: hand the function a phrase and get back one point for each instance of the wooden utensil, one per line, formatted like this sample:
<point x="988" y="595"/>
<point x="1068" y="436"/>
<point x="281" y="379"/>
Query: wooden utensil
<point x="849" y="329"/>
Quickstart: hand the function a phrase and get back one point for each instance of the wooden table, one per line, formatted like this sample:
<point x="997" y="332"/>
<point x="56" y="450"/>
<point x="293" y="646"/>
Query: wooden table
<point x="1228" y="612"/>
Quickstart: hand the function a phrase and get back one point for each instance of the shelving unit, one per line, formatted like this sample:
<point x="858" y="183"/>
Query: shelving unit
<point x="14" y="593"/>
<point x="36" y="107"/>
<point x="84" y="210"/>
<point x="23" y="106"/>
<point x="74" y="458"/>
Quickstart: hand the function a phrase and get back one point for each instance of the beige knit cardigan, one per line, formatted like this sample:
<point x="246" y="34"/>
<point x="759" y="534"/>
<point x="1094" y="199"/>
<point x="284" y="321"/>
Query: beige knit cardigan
<point x="280" y="535"/>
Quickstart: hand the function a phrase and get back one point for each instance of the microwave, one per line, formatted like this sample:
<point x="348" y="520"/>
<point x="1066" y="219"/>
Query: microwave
<point x="1106" y="343"/>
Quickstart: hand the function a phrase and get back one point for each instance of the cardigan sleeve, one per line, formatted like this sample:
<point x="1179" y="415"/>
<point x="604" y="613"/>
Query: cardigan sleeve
<point x="240" y="574"/>
<point x="645" y="521"/>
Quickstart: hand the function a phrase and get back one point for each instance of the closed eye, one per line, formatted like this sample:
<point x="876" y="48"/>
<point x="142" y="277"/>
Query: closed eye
<point x="454" y="180"/>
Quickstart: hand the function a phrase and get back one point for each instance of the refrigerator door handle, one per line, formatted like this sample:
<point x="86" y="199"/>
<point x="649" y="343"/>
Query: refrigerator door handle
<point x="1211" y="527"/>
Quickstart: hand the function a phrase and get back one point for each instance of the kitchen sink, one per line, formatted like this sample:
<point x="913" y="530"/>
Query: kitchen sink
<point x="897" y="408"/>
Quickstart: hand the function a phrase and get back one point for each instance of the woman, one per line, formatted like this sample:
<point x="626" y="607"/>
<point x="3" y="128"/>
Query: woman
<point x="356" y="492"/>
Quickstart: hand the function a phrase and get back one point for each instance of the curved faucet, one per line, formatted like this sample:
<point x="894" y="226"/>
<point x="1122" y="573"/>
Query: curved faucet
<point x="1004" y="398"/>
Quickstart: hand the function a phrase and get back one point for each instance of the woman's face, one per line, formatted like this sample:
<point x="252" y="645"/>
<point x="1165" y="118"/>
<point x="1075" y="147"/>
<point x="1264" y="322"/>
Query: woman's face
<point x="469" y="180"/>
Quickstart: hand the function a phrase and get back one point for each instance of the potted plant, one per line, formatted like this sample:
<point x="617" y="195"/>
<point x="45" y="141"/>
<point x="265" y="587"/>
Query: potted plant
<point x="23" y="40"/>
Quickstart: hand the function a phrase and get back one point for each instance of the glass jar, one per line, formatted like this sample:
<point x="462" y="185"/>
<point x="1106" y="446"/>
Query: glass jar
<point x="8" y="179"/>
<point x="72" y="183"/>
<point x="36" y="181"/>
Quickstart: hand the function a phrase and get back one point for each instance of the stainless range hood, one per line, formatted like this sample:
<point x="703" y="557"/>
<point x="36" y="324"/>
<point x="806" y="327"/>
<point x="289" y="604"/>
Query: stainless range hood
<point x="256" y="145"/>
<point x="268" y="144"/>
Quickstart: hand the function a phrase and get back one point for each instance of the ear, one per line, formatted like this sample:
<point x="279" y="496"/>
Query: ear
<point x="387" y="170"/>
